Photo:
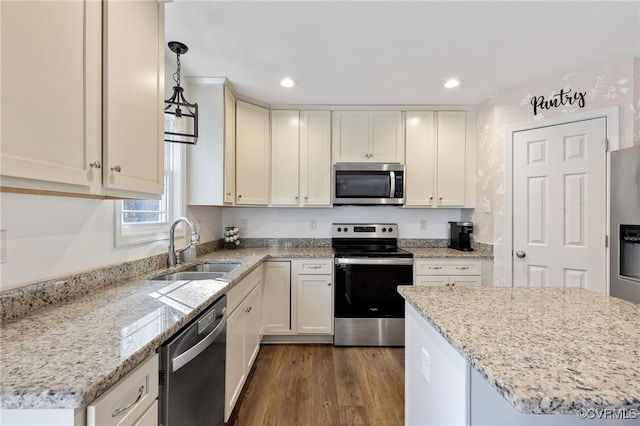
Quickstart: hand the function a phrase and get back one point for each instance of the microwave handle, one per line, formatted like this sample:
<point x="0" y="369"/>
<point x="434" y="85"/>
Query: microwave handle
<point x="392" y="174"/>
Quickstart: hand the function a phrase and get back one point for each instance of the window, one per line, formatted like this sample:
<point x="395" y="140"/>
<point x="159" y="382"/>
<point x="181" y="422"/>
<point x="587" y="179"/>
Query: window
<point x="143" y="221"/>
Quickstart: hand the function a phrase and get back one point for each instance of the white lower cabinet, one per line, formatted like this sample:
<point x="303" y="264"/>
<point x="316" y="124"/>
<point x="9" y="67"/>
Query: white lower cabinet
<point x="448" y="272"/>
<point x="276" y="297"/>
<point x="130" y="401"/>
<point x="313" y="288"/>
<point x="244" y="333"/>
<point x="298" y="300"/>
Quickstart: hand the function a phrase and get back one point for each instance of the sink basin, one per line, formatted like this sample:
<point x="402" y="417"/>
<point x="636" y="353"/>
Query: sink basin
<point x="214" y="267"/>
<point x="191" y="275"/>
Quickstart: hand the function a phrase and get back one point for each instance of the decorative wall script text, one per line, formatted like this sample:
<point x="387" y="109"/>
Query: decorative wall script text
<point x="559" y="99"/>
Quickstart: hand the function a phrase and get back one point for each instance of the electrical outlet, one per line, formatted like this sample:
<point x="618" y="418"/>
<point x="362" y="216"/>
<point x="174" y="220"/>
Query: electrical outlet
<point x="312" y="224"/>
<point x="244" y="224"/>
<point x="423" y="225"/>
<point x="425" y="366"/>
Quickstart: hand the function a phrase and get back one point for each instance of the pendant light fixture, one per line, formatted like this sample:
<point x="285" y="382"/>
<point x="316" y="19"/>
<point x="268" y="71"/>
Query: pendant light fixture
<point x="180" y="117"/>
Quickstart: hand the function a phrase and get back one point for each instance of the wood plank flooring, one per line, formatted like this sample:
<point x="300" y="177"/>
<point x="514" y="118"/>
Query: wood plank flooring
<point x="323" y="385"/>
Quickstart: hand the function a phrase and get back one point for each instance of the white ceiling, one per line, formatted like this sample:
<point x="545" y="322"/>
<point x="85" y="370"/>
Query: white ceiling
<point x="392" y="52"/>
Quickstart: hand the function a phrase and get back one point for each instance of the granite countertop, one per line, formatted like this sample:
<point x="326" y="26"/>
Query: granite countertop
<point x="68" y="354"/>
<point x="545" y="350"/>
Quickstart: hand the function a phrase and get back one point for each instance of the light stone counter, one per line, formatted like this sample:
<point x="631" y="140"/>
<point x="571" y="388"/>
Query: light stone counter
<point x="545" y="350"/>
<point x="68" y="354"/>
<point x="446" y="253"/>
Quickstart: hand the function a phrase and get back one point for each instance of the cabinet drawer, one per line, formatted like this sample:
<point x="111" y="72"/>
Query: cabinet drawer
<point x="448" y="267"/>
<point x="314" y="266"/>
<point x="238" y="292"/>
<point x="128" y="400"/>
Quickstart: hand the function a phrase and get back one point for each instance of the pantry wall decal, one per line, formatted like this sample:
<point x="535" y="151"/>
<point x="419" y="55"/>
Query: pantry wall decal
<point x="565" y="97"/>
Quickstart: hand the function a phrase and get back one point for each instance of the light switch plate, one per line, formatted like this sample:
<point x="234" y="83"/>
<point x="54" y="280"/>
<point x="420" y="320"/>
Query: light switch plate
<point x="425" y="366"/>
<point x="244" y="224"/>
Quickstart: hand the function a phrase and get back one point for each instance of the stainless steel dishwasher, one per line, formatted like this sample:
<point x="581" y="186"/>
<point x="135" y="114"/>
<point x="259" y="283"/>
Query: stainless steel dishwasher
<point x="192" y="368"/>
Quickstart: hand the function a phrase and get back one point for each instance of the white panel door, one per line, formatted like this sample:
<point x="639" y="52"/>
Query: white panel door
<point x="385" y="137"/>
<point x="315" y="158"/>
<point x="451" y="158"/>
<point x="421" y="161"/>
<point x="285" y="142"/>
<point x="559" y="206"/>
<point x="47" y="78"/>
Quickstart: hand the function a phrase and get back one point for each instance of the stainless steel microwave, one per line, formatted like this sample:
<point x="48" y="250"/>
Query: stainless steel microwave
<point x="368" y="184"/>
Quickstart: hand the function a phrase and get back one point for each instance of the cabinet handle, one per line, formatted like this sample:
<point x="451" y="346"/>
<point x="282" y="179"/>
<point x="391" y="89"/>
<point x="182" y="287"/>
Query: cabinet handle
<point x="462" y="267"/>
<point x="96" y="164"/>
<point x="314" y="266"/>
<point x="116" y="169"/>
<point x="120" y="410"/>
<point x="435" y="267"/>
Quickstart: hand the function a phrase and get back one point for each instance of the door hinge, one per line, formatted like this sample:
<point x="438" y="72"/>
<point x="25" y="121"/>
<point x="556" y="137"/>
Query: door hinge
<point x="606" y="145"/>
<point x="606" y="241"/>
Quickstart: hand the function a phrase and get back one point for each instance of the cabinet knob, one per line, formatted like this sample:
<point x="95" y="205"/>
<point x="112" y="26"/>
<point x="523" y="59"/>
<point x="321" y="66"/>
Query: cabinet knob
<point x="431" y="199"/>
<point x="239" y="195"/>
<point x="296" y="197"/>
<point x="440" y="198"/>
<point x="306" y="197"/>
<point x="96" y="165"/>
<point x="329" y="284"/>
<point x="116" y="169"/>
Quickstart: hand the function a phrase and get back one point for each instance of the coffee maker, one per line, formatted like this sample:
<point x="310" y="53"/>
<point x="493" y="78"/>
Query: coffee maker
<point x="460" y="235"/>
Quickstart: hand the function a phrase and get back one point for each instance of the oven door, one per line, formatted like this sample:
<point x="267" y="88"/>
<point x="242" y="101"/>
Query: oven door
<point x="367" y="287"/>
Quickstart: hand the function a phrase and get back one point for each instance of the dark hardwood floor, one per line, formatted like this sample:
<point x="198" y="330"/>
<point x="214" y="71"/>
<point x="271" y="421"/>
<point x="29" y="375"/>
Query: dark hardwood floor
<point x="323" y="385"/>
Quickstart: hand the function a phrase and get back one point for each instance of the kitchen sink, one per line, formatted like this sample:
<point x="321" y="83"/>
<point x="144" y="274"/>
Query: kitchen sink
<point x="191" y="275"/>
<point x="213" y="267"/>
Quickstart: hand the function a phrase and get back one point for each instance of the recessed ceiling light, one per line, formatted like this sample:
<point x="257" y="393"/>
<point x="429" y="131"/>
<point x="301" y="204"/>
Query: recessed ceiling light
<point x="288" y="82"/>
<point x="452" y="82"/>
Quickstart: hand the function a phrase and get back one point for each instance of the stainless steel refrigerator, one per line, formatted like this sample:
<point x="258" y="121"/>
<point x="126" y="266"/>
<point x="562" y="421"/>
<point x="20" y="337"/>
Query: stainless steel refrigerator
<point x="625" y="224"/>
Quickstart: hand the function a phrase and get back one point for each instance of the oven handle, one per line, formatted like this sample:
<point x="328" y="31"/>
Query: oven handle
<point x="373" y="261"/>
<point x="186" y="357"/>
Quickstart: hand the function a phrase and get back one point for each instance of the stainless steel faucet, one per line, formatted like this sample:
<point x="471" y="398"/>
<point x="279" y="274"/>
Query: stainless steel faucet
<point x="175" y="258"/>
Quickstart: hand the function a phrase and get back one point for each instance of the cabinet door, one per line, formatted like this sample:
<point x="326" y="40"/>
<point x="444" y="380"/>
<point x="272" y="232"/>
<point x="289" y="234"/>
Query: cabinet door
<point x="350" y="136"/>
<point x="229" y="146"/>
<point x="276" y="298"/>
<point x="386" y="144"/>
<point x="314" y="304"/>
<point x="421" y="161"/>
<point x="45" y="136"/>
<point x="133" y="89"/>
<point x="451" y="158"/>
<point x="285" y="142"/>
<point x="150" y="417"/>
<point x="235" y="368"/>
<point x="253" y="326"/>
<point x="253" y="158"/>
<point x="315" y="158"/>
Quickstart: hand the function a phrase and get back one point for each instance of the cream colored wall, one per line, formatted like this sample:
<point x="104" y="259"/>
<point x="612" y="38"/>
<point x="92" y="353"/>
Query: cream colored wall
<point x="614" y="84"/>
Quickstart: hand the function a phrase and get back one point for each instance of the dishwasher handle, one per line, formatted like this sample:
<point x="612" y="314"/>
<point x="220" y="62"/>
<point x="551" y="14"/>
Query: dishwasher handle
<point x="184" y="358"/>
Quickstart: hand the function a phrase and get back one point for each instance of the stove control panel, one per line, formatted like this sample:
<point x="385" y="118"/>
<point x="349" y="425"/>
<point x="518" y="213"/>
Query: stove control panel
<point x="364" y="230"/>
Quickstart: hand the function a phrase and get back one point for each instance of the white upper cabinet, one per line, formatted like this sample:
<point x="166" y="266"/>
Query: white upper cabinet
<point x="315" y="158"/>
<point x="133" y="96"/>
<point x="368" y="136"/>
<point x="301" y="158"/>
<point x="440" y="159"/>
<point x="285" y="151"/>
<point x="86" y="119"/>
<point x="211" y="160"/>
<point x="253" y="157"/>
<point x="45" y="88"/>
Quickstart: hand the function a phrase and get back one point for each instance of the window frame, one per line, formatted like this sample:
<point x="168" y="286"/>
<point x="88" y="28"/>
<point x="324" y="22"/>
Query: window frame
<point x="143" y="233"/>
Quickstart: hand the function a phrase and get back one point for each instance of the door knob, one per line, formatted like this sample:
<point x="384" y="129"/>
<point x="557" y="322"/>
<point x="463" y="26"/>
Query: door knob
<point x="521" y="254"/>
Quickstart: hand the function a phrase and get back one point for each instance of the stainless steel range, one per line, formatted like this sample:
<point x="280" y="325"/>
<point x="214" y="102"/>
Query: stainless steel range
<point x="369" y="267"/>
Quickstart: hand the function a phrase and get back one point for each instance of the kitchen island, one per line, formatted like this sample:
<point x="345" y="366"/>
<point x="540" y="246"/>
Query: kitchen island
<point x="520" y="356"/>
